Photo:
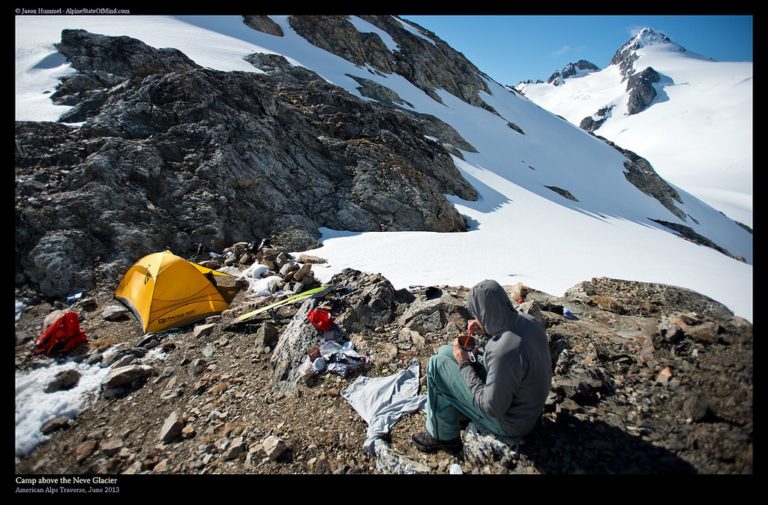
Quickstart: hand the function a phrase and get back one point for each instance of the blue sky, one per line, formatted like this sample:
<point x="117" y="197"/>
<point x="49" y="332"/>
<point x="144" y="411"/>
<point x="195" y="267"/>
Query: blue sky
<point x="515" y="48"/>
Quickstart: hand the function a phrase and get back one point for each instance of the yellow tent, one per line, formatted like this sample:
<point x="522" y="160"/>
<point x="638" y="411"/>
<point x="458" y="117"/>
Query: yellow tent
<point x="165" y="291"/>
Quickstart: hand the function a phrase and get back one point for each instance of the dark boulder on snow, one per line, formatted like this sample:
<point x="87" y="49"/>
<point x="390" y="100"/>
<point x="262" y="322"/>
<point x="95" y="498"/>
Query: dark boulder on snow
<point x="641" y="90"/>
<point x="263" y="24"/>
<point x="66" y="379"/>
<point x="563" y="192"/>
<point x="592" y="123"/>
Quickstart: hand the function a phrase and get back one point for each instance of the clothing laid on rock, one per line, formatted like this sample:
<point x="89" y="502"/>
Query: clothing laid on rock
<point x="382" y="401"/>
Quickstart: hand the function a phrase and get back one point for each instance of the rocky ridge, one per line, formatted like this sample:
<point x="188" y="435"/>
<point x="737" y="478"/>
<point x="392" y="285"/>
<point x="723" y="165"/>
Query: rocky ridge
<point x="648" y="378"/>
<point x="167" y="148"/>
<point x="570" y="70"/>
<point x="626" y="56"/>
<point x="428" y="65"/>
<point x="641" y="174"/>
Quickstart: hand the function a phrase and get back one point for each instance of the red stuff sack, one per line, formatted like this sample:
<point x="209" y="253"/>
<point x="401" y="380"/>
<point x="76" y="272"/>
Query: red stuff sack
<point x="320" y="319"/>
<point x="61" y="336"/>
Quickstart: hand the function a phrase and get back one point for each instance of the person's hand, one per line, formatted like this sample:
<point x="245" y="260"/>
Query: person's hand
<point x="475" y="324"/>
<point x="458" y="351"/>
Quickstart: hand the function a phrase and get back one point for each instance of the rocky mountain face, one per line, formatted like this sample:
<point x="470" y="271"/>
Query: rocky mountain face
<point x="641" y="90"/>
<point x="175" y="156"/>
<point x="647" y="379"/>
<point x="626" y="56"/>
<point x="642" y="175"/>
<point x="571" y="70"/>
<point x="429" y="66"/>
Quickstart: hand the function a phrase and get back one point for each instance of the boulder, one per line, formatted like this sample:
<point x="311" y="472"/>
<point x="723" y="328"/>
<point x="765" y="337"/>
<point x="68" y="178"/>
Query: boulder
<point x="85" y="449"/>
<point x="266" y="335"/>
<point x="171" y="428"/>
<point x="309" y="259"/>
<point x="228" y="285"/>
<point x="65" y="379"/>
<point x="235" y="449"/>
<point x="581" y="292"/>
<point x="302" y="271"/>
<point x="124" y="361"/>
<point x="124" y="376"/>
<point x="138" y="352"/>
<point x="388" y="461"/>
<point x="482" y="447"/>
<point x="696" y="407"/>
<point x="111" y="446"/>
<point x="532" y="308"/>
<point x="54" y="424"/>
<point x="291" y="348"/>
<point x="273" y="447"/>
<point x="53" y="317"/>
<point x="116" y="313"/>
<point x="369" y="304"/>
<point x="432" y="315"/>
<point x="203" y="330"/>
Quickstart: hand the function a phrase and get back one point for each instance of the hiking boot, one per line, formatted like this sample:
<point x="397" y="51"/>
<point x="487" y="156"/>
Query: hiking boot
<point x="427" y="443"/>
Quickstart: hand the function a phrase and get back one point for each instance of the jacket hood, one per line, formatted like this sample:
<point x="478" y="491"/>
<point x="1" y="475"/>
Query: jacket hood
<point x="489" y="304"/>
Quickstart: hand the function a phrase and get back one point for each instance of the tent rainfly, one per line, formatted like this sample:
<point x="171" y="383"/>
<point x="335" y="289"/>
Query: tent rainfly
<point x="165" y="291"/>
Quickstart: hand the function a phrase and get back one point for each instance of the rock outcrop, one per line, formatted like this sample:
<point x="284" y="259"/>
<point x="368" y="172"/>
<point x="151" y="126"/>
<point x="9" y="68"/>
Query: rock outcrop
<point x="641" y="174"/>
<point x="592" y="123"/>
<point x="563" y="192"/>
<point x="428" y="65"/>
<point x="688" y="233"/>
<point x="263" y="24"/>
<point x="641" y="90"/>
<point x="192" y="159"/>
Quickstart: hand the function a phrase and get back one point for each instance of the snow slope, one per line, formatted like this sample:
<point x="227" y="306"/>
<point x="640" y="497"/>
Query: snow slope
<point x="522" y="231"/>
<point x="698" y="132"/>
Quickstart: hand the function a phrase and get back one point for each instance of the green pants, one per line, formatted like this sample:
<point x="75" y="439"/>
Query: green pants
<point x="449" y="400"/>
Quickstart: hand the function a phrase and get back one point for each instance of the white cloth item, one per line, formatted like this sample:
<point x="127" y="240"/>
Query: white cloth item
<point x="254" y="272"/>
<point x="260" y="287"/>
<point x="382" y="401"/>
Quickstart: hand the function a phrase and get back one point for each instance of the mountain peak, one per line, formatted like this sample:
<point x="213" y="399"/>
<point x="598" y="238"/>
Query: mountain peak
<point x="647" y="37"/>
<point x="578" y="69"/>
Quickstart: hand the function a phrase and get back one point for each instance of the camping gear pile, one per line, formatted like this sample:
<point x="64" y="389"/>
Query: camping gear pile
<point x="334" y="354"/>
<point x="165" y="291"/>
<point x="279" y="270"/>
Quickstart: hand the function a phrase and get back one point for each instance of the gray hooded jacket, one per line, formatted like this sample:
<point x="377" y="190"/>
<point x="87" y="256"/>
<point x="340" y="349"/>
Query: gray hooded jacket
<point x="517" y="361"/>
